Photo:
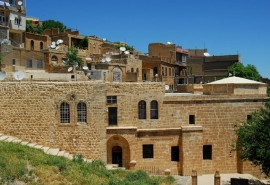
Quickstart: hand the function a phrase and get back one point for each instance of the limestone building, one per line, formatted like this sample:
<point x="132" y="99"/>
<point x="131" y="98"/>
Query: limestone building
<point x="135" y="124"/>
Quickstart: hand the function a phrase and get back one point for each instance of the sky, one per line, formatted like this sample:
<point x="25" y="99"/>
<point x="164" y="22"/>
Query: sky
<point x="223" y="27"/>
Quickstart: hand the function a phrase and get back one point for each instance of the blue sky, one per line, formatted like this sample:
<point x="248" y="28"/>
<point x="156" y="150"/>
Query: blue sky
<point x="224" y="27"/>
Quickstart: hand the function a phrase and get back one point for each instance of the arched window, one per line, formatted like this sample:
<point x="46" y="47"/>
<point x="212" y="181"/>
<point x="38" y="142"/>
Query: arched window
<point x="41" y="45"/>
<point x="32" y="45"/>
<point x="64" y="113"/>
<point x="81" y="112"/>
<point x="117" y="74"/>
<point x="142" y="109"/>
<point x="54" y="58"/>
<point x="154" y="109"/>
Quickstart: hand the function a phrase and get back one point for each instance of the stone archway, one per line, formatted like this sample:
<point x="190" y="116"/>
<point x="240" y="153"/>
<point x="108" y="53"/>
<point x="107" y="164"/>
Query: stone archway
<point x="118" y="151"/>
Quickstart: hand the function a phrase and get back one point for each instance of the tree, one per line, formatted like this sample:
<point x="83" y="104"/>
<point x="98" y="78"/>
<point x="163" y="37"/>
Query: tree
<point x="83" y="44"/>
<point x="249" y="71"/>
<point x="48" y="24"/>
<point x="72" y="58"/>
<point x="253" y="141"/>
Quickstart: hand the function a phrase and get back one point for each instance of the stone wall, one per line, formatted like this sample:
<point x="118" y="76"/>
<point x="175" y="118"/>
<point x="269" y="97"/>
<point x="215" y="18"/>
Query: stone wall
<point x="31" y="112"/>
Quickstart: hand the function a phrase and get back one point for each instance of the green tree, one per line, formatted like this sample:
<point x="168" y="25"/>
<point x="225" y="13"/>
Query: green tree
<point x="254" y="138"/>
<point x="83" y="44"/>
<point x="33" y="29"/>
<point x="47" y="24"/>
<point x="248" y="72"/>
<point x="72" y="58"/>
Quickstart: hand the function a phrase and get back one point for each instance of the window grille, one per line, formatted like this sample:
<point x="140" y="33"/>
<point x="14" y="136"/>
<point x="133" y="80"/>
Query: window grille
<point x="81" y="112"/>
<point x="64" y="113"/>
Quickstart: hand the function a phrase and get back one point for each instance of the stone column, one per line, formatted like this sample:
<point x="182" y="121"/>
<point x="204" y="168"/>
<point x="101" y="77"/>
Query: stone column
<point x="194" y="178"/>
<point x="167" y="172"/>
<point x="132" y="165"/>
<point x="217" y="178"/>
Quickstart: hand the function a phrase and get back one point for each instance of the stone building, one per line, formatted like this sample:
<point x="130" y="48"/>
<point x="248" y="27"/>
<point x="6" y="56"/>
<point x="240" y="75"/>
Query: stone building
<point x="136" y="125"/>
<point x="207" y="68"/>
<point x="165" y="63"/>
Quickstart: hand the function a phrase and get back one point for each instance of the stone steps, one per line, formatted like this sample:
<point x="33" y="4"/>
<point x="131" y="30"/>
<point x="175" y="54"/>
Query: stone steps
<point x="47" y="150"/>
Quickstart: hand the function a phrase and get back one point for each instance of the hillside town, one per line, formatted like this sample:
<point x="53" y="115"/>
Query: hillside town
<point x="171" y="110"/>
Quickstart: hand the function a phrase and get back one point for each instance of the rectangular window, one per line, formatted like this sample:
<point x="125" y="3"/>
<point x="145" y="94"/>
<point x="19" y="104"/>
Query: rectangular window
<point x="207" y="152"/>
<point x="111" y="99"/>
<point x="148" y="151"/>
<point x="29" y="64"/>
<point x="249" y="117"/>
<point x="39" y="64"/>
<point x="191" y="119"/>
<point x="13" y="62"/>
<point x="112" y="115"/>
<point x="175" y="153"/>
<point x="17" y="21"/>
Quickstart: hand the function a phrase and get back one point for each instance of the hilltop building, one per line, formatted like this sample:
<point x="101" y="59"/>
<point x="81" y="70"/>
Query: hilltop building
<point x="138" y="111"/>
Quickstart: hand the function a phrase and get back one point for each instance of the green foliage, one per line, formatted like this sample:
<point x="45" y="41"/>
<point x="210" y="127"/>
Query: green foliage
<point x="248" y="72"/>
<point x="72" y="58"/>
<point x="33" y="166"/>
<point x="83" y="44"/>
<point x="254" y="138"/>
<point x="129" y="48"/>
<point x="47" y="24"/>
<point x="33" y="29"/>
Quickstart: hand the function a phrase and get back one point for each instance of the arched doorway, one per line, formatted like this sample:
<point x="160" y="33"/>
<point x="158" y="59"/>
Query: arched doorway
<point x="117" y="156"/>
<point x="118" y="151"/>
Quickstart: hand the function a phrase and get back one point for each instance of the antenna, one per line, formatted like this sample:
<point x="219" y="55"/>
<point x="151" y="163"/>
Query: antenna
<point x="18" y="75"/>
<point x="3" y="75"/>
<point x="70" y="69"/>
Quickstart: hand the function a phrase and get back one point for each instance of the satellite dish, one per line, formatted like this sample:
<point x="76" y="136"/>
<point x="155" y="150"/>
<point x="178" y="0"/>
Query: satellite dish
<point x="108" y="59"/>
<point x="53" y="43"/>
<point x="12" y="18"/>
<point x="127" y="52"/>
<point x="206" y="54"/>
<point x="70" y="69"/>
<point x="5" y="41"/>
<point x="85" y="67"/>
<point x="122" y="49"/>
<point x="64" y="61"/>
<point x="57" y="42"/>
<point x="57" y="47"/>
<point x="18" y="75"/>
<point x="103" y="60"/>
<point x="104" y="39"/>
<point x="167" y="87"/>
<point x="53" y="46"/>
<point x="19" y="3"/>
<point x="3" y="75"/>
